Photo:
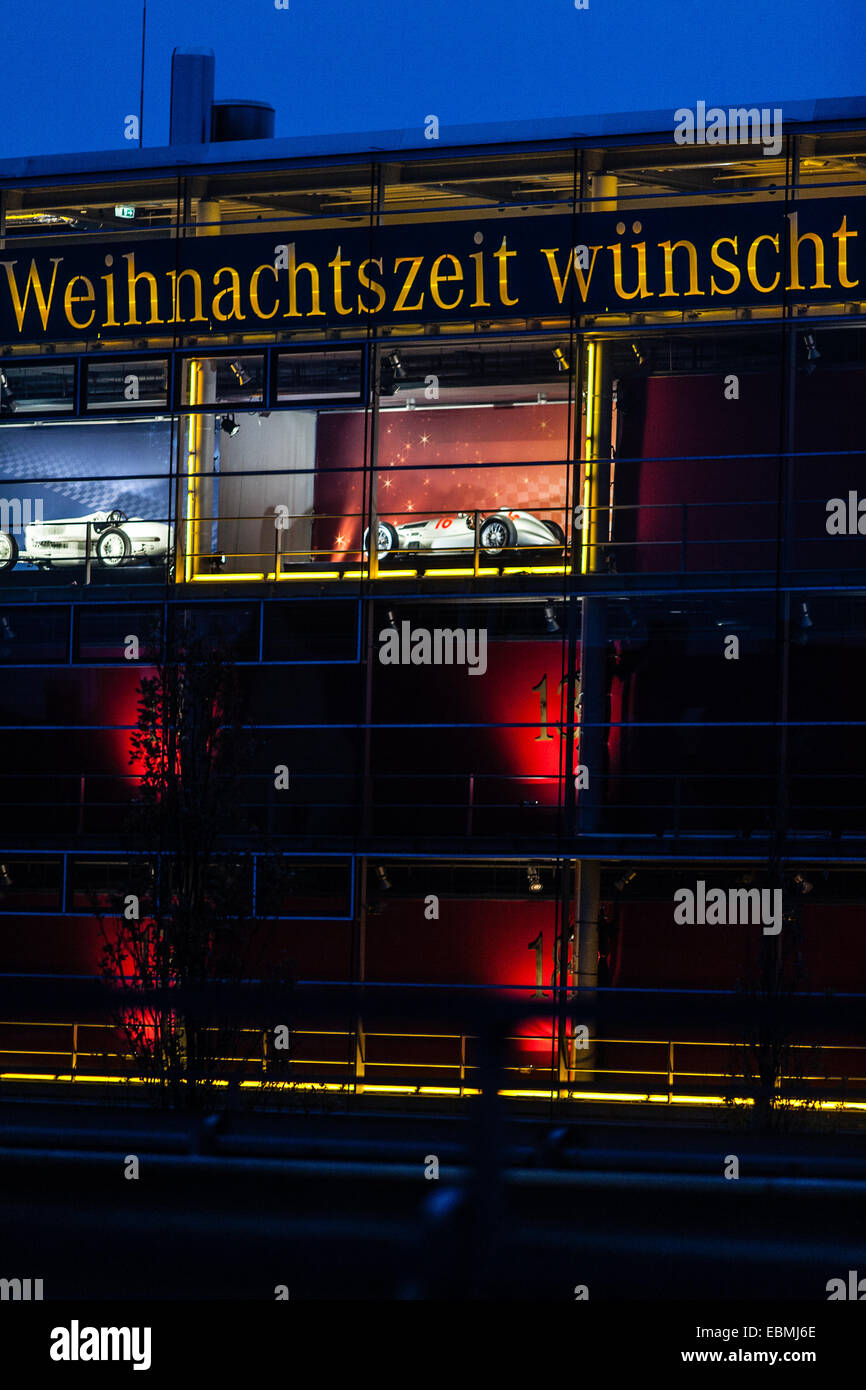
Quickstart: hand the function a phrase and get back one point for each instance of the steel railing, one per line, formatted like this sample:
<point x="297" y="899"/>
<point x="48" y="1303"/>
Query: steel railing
<point x="74" y="1057"/>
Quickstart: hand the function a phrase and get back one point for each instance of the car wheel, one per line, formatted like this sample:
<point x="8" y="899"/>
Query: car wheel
<point x="497" y="534"/>
<point x="113" y="548"/>
<point x="386" y="538"/>
<point x="556" y="531"/>
<point x="8" y="551"/>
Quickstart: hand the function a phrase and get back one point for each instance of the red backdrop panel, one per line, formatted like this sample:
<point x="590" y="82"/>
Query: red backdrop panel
<point x="675" y="431"/>
<point x="432" y="445"/>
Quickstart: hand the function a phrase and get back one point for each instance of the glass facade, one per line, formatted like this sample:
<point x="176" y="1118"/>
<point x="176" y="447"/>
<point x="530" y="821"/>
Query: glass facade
<point x="522" y="489"/>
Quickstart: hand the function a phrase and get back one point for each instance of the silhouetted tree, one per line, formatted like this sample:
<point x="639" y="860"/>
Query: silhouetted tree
<point x="771" y="1063"/>
<point x="185" y="920"/>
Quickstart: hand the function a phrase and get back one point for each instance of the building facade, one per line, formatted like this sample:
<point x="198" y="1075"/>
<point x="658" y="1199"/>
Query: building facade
<point x="524" y="482"/>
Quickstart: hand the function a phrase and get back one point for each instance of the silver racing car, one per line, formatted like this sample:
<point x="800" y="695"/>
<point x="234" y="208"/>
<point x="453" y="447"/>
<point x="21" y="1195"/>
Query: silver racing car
<point x="498" y="531"/>
<point x="115" y="540"/>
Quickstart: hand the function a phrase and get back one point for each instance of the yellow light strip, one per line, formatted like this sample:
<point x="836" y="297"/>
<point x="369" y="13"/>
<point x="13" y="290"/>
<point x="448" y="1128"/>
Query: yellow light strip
<point x="458" y="1092"/>
<point x="305" y="578"/>
<point x="256" y="576"/>
<point x="589" y="454"/>
<point x="314" y="577"/>
<point x="532" y="569"/>
<point x="193" y="441"/>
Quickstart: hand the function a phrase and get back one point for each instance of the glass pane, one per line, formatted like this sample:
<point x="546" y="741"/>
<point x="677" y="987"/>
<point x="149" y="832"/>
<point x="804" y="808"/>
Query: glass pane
<point x="223" y="380"/>
<point x="319" y="375"/>
<point x="128" y="385"/>
<point x="66" y="482"/>
<point x="474" y="439"/>
<point x="36" y="390"/>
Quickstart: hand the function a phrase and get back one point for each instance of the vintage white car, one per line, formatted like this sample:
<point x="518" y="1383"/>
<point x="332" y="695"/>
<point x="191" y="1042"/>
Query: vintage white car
<point x="115" y="540"/>
<point x="498" y="531"/>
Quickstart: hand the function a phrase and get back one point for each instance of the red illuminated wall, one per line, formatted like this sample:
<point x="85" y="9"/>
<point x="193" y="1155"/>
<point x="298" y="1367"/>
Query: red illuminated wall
<point x="678" y="429"/>
<point x="507" y="764"/>
<point x="653" y="951"/>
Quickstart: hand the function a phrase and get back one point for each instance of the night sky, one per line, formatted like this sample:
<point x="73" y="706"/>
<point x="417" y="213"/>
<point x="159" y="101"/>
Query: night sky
<point x="71" y="73"/>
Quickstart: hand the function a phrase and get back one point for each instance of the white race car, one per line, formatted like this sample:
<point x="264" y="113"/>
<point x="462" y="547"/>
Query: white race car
<point x="498" y="531"/>
<point x="115" y="540"/>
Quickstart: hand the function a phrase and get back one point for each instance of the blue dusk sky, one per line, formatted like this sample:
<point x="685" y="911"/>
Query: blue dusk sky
<point x="71" y="72"/>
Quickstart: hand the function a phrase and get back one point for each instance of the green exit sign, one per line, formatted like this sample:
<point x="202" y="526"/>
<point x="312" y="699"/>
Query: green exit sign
<point x="124" y="211"/>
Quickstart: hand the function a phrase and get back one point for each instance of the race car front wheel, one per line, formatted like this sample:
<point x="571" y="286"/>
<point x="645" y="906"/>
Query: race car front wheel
<point x="497" y="534"/>
<point x="113" y="548"/>
<point x="8" y="551"/>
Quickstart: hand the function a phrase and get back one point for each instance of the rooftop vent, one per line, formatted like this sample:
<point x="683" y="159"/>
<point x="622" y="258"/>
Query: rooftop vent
<point x="196" y="119"/>
<point x="242" y="120"/>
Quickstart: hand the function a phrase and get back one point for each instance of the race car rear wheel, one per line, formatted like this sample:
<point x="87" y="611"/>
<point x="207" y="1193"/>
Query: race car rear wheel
<point x="8" y="551"/>
<point x="113" y="548"/>
<point x="497" y="534"/>
<point x="556" y="531"/>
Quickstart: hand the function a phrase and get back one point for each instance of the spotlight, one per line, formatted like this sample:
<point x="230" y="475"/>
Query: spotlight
<point x="550" y="618"/>
<point x="241" y="373"/>
<point x="5" y="879"/>
<point x="8" y="402"/>
<point x="393" y="374"/>
<point x="812" y="353"/>
<point x="561" y="360"/>
<point x="624" y="880"/>
<point x="533" y="878"/>
<point x="638" y="354"/>
<point x="803" y="884"/>
<point x="382" y="876"/>
<point x="216" y="562"/>
<point x="229" y="425"/>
